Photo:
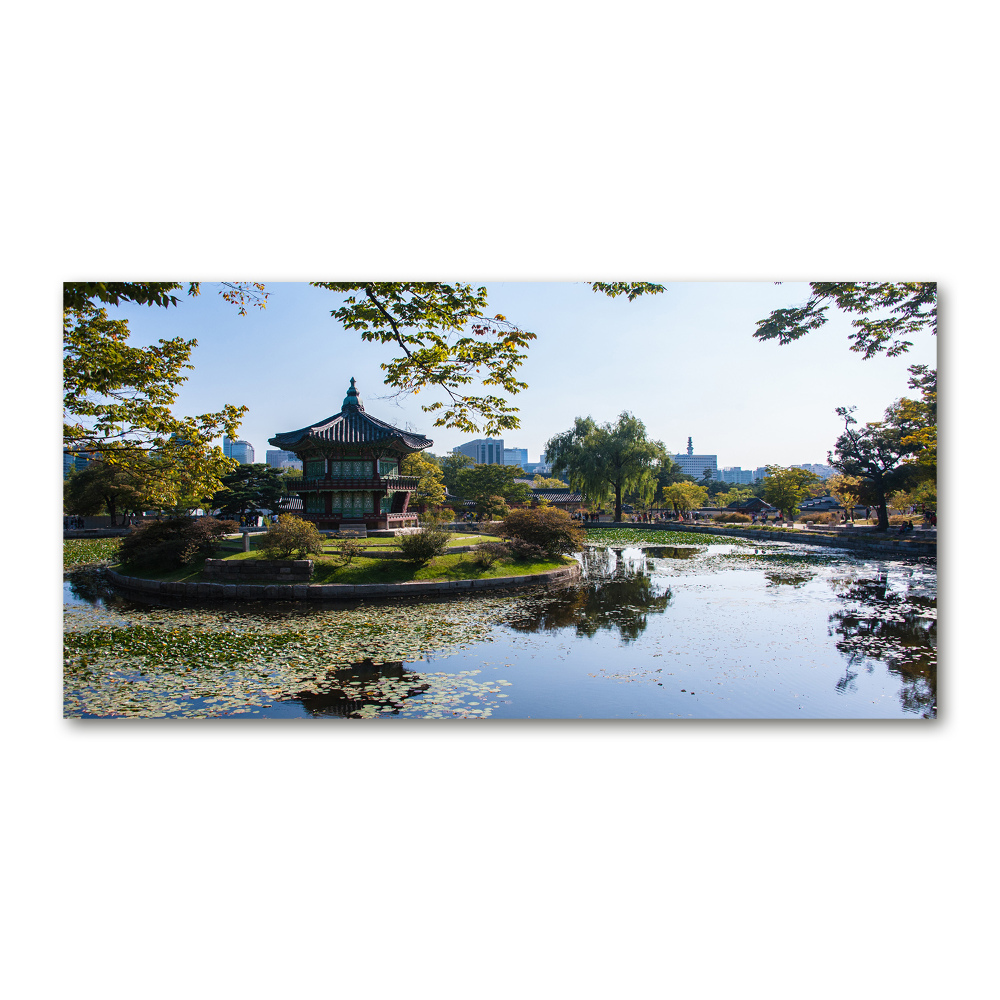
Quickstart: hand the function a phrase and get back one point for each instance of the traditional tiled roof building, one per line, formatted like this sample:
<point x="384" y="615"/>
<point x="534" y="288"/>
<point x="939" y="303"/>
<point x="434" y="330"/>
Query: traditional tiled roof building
<point x="350" y="468"/>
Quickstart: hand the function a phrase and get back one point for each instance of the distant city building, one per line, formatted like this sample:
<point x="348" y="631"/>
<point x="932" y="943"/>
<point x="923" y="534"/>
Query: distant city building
<point x="515" y="456"/>
<point x="483" y="451"/>
<point x="242" y="451"/>
<point x="823" y="471"/>
<point x="282" y="460"/>
<point x="695" y="465"/>
<point x="734" y="474"/>
<point x="760" y="473"/>
<point x="74" y="463"/>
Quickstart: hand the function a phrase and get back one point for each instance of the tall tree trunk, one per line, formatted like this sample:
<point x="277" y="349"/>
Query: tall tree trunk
<point x="881" y="507"/>
<point x="618" y="501"/>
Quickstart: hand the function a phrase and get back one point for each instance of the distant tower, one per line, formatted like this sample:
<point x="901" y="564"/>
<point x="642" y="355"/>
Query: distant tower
<point x="690" y="447"/>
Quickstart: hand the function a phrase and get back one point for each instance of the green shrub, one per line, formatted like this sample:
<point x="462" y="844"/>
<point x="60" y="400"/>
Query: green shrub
<point x="487" y="554"/>
<point x="291" y="534"/>
<point x="423" y="545"/>
<point x="551" y="529"/>
<point x="491" y="508"/>
<point x="523" y="551"/>
<point x="349" y="548"/>
<point x="166" y="545"/>
<point x="732" y="517"/>
<point x="819" y="518"/>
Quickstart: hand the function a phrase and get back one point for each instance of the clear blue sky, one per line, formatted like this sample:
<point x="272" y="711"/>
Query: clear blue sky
<point x="685" y="362"/>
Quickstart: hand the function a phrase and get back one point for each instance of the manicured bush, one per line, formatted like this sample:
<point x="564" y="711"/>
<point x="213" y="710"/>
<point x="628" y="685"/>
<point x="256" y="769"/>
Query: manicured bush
<point x="732" y="517"/>
<point x="487" y="554"/>
<point x="166" y="545"/>
<point x="523" y="551"/>
<point x="830" y="518"/>
<point x="551" y="529"/>
<point x="291" y="534"/>
<point x="423" y="545"/>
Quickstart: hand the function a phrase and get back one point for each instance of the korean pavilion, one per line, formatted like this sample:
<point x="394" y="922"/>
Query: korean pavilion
<point x="350" y="468"/>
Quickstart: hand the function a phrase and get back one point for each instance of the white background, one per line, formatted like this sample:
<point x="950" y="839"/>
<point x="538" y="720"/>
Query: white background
<point x="519" y="141"/>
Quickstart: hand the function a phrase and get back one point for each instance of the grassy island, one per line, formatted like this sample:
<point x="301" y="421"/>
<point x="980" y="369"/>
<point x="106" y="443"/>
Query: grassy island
<point x="330" y="566"/>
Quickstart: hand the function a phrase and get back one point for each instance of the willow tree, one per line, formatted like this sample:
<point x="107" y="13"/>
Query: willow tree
<point x="607" y="459"/>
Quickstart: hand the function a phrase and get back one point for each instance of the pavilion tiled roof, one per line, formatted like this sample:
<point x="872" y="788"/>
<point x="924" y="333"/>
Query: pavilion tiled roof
<point x="557" y="496"/>
<point x="351" y="426"/>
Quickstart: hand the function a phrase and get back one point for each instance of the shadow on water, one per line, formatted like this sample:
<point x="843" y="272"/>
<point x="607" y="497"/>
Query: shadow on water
<point x="899" y="629"/>
<point x="616" y="595"/>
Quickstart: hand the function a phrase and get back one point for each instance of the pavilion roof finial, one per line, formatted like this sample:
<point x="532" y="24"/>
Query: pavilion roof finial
<point x="352" y="398"/>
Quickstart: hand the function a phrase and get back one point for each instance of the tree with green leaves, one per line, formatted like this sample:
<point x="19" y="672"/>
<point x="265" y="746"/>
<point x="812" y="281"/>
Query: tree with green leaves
<point x="483" y="482"/>
<point x="430" y="488"/>
<point x="846" y="490"/>
<point x="668" y="473"/>
<point x="540" y="482"/>
<point x="735" y="494"/>
<point x="887" y="313"/>
<point x="117" y="398"/>
<point x="451" y="466"/>
<point x="787" y="488"/>
<point x="608" y="459"/>
<point x="250" y="490"/>
<point x="448" y="342"/>
<point x="446" y="336"/>
<point x="878" y="454"/>
<point x="685" y="496"/>
<point x="103" y="487"/>
<point x="918" y="420"/>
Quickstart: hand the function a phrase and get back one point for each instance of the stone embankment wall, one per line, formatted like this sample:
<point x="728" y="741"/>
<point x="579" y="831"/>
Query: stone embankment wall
<point x="336" y="591"/>
<point x="248" y="570"/>
<point x="900" y="546"/>
<point x="96" y="532"/>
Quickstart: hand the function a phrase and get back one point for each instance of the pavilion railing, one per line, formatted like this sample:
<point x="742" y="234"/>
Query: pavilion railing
<point x="390" y="483"/>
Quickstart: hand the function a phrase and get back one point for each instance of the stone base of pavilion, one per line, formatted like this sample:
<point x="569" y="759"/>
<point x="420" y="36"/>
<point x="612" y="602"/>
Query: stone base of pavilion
<point x="372" y="522"/>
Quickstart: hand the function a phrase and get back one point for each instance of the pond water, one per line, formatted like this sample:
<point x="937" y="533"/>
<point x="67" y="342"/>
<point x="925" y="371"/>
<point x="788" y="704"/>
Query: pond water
<point x="710" y="630"/>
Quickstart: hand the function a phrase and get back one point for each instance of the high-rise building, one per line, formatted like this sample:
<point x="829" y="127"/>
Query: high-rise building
<point x="74" y="463"/>
<point x="242" y="451"/>
<point x="278" y="459"/>
<point x="823" y="471"/>
<point x="734" y="474"/>
<point x="483" y="451"/>
<point x="515" y="456"/>
<point x="695" y="465"/>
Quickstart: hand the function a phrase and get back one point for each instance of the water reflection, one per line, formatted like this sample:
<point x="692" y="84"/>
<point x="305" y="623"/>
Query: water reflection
<point x="616" y="595"/>
<point x="672" y="551"/>
<point x="778" y="579"/>
<point x="361" y="689"/>
<point x="88" y="585"/>
<point x="896" y="628"/>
